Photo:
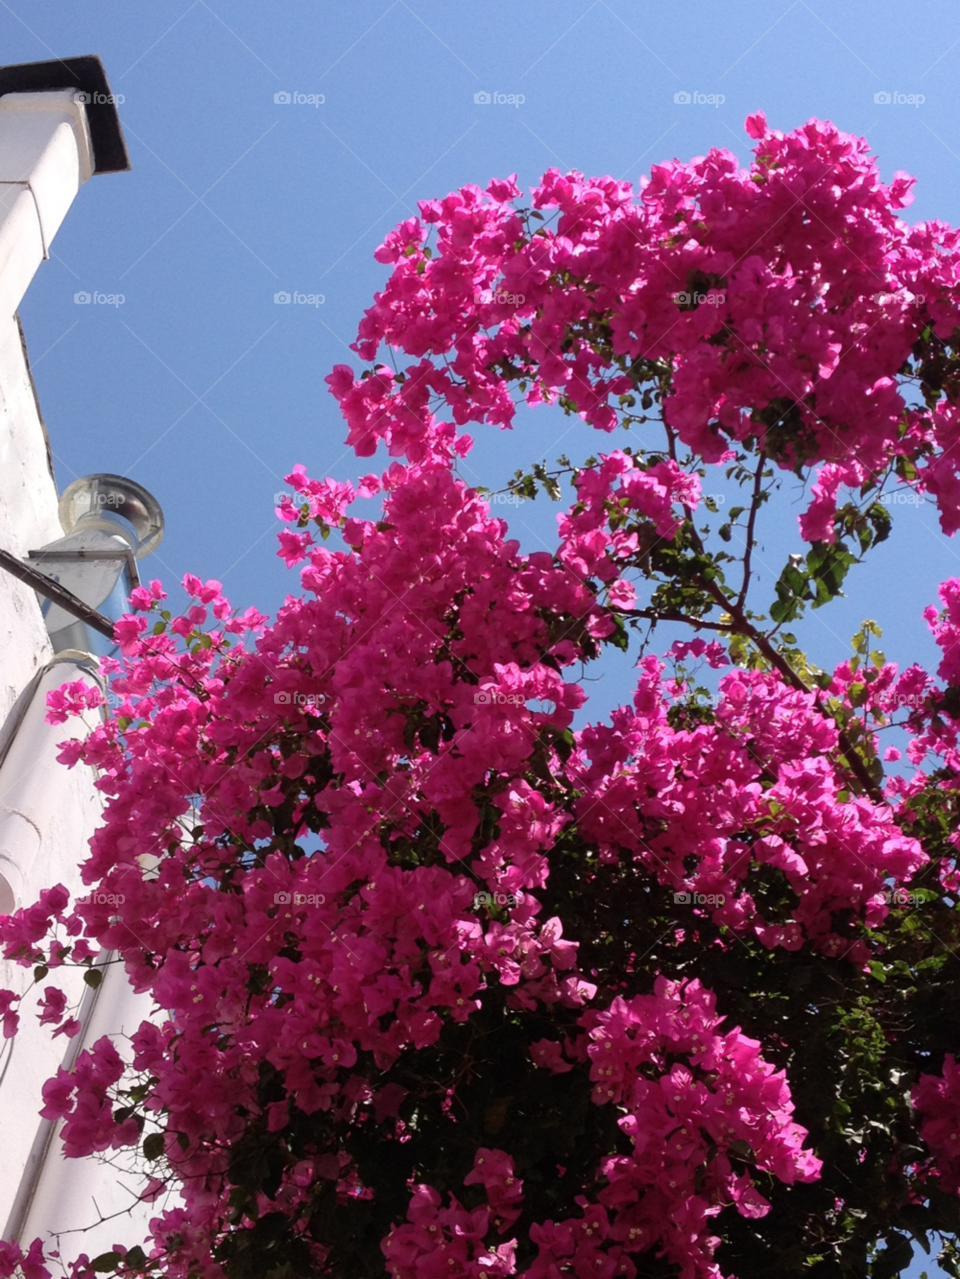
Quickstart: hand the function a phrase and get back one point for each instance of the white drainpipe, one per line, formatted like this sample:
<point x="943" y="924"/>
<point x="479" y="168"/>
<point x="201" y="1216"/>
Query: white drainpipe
<point x="30" y="777"/>
<point x="45" y="157"/>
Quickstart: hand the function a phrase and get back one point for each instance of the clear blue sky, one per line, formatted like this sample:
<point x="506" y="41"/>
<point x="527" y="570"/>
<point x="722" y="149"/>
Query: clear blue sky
<point x="204" y="390"/>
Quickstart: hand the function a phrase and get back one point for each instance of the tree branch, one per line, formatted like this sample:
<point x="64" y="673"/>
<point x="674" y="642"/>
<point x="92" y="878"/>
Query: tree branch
<point x="657" y="615"/>
<point x="754" y="507"/>
<point x="744" y="627"/>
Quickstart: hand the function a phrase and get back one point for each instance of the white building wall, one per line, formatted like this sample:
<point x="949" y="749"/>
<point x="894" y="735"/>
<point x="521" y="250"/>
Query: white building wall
<point x="28" y="517"/>
<point x="54" y="809"/>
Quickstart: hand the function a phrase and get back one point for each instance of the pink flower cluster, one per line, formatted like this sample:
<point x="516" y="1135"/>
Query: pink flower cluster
<point x="670" y="799"/>
<point x="946" y="631"/>
<point x="938" y="1101"/>
<point x="71" y="699"/>
<point x="686" y="1121"/>
<point x="822" y="290"/>
<point x="621" y="487"/>
<point x="437" y="1241"/>
<point x="326" y="842"/>
<point x="81" y="1097"/>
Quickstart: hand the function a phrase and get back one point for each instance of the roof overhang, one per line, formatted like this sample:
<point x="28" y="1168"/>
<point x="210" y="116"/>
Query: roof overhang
<point x="87" y="75"/>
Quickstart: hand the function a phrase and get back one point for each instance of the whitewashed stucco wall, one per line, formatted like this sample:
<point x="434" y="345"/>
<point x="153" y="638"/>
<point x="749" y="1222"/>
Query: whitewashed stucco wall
<point x="67" y="1195"/>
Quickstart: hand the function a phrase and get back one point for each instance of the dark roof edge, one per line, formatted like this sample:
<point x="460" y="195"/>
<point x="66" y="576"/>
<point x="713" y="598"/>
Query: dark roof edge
<point x="86" y="74"/>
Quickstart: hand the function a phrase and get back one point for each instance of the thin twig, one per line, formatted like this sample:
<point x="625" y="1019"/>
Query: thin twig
<point x="698" y="623"/>
<point x="744" y="627"/>
<point x="754" y="507"/>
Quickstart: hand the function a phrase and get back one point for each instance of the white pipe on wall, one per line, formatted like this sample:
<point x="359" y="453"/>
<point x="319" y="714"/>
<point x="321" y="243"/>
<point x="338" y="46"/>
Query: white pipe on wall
<point x="45" y="157"/>
<point x="34" y="787"/>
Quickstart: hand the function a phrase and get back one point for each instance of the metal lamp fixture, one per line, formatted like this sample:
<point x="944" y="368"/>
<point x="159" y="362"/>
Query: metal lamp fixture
<point x="110" y="522"/>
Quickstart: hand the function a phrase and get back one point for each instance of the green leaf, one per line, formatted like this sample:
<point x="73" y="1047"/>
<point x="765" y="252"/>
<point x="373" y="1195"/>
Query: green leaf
<point x="895" y="1258"/>
<point x="93" y="977"/>
<point x="153" y="1146"/>
<point x="828" y="567"/>
<point x="106" y="1262"/>
<point x="857" y="694"/>
<point x="879" y="517"/>
<point x="40" y="972"/>
<point x="783" y="611"/>
<point x="619" y="637"/>
<point x="877" y="970"/>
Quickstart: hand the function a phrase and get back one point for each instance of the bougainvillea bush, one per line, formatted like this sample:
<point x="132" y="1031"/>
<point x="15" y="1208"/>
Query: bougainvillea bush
<point x="454" y="980"/>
